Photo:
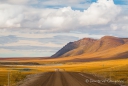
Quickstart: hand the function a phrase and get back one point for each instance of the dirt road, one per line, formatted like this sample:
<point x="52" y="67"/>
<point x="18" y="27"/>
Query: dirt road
<point x="66" y="79"/>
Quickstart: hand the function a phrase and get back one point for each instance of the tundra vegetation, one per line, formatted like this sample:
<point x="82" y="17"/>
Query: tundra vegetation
<point x="111" y="69"/>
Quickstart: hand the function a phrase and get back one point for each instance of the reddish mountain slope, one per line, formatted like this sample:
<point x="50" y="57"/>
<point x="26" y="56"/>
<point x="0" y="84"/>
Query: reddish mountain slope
<point x="88" y="45"/>
<point x="119" y="52"/>
<point x="74" y="45"/>
<point x="105" y="43"/>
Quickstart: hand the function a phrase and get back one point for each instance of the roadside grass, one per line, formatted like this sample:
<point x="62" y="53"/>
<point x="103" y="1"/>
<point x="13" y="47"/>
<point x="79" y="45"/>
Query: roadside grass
<point x="111" y="69"/>
<point x="16" y="73"/>
<point x="3" y="78"/>
<point x="116" y="70"/>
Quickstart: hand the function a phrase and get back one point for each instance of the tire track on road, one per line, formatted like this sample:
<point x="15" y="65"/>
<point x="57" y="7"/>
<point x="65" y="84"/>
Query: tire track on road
<point x="60" y="78"/>
<point x="49" y="81"/>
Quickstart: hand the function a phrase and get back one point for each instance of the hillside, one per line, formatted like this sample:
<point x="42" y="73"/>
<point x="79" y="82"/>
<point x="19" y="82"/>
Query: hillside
<point x="86" y="42"/>
<point x="88" y="45"/>
<point x="119" y="52"/>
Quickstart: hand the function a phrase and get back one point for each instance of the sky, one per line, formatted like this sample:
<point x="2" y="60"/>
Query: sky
<point x="39" y="28"/>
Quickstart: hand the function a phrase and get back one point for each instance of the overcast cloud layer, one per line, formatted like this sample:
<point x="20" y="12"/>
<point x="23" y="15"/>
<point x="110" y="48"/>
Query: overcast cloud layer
<point x="45" y="26"/>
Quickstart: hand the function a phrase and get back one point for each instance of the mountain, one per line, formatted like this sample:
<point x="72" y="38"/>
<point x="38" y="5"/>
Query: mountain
<point x="89" y="45"/>
<point x="74" y="45"/>
<point x="119" y="52"/>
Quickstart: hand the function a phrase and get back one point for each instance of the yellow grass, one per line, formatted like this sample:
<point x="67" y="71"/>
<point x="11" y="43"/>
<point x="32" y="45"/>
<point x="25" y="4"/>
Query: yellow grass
<point x="114" y="69"/>
<point x="4" y="70"/>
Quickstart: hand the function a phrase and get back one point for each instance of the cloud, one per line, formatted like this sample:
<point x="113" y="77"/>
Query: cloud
<point x="79" y="4"/>
<point x="12" y="42"/>
<point x="8" y="39"/>
<point x="62" y="19"/>
<point x="31" y="48"/>
<point x="58" y="40"/>
<point x="25" y="53"/>
<point x="55" y="41"/>
<point x="30" y="51"/>
<point x="32" y="24"/>
<point x="101" y="12"/>
<point x="19" y="2"/>
<point x="21" y="46"/>
<point x="34" y="42"/>
<point x="11" y="16"/>
<point x="75" y="4"/>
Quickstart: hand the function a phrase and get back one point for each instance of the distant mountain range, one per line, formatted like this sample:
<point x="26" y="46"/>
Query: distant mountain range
<point x="108" y="47"/>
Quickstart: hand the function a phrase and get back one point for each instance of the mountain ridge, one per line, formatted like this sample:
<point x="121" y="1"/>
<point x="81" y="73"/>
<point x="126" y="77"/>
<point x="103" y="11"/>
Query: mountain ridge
<point x="90" y="45"/>
<point x="73" y="45"/>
